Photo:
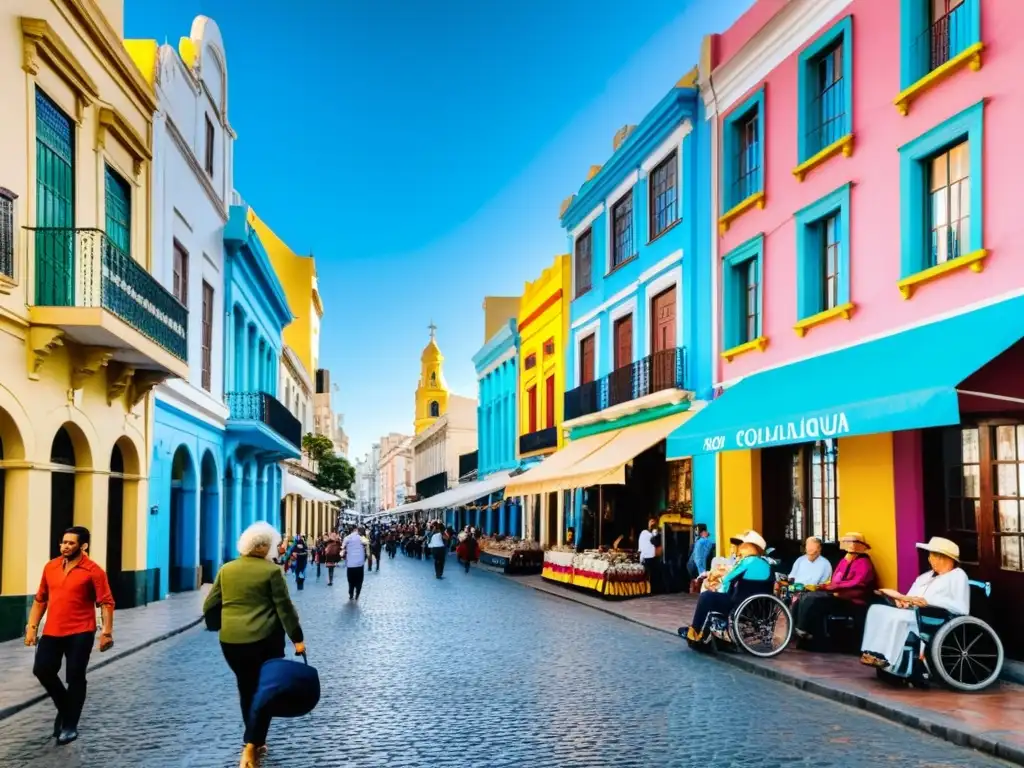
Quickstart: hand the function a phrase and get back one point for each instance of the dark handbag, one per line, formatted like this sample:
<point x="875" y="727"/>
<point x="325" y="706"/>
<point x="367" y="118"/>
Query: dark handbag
<point x="213" y="618"/>
<point x="286" y="689"/>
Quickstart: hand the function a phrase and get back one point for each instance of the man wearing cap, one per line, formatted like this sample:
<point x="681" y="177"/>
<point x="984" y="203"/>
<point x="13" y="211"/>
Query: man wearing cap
<point x="944" y="586"/>
<point x="847" y="592"/>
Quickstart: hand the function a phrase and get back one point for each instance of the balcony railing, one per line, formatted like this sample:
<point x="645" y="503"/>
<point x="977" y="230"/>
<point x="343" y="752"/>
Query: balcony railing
<point x="84" y="268"/>
<point x="655" y="373"/>
<point x="944" y="38"/>
<point x="540" y="440"/>
<point x="265" y="408"/>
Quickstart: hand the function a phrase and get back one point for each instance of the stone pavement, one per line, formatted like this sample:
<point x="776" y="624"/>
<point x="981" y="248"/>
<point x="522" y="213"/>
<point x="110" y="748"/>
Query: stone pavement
<point x="134" y="629"/>
<point x="465" y="672"/>
<point x="989" y="721"/>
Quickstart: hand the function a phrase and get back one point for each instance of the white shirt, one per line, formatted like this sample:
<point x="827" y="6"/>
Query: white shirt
<point x="951" y="591"/>
<point x="806" y="572"/>
<point x="437" y="540"/>
<point x="644" y="545"/>
<point x="355" y="550"/>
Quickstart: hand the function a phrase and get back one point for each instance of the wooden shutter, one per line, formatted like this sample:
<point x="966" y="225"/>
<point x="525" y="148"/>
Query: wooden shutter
<point x="549" y="402"/>
<point x="587" y="360"/>
<point x="623" y="341"/>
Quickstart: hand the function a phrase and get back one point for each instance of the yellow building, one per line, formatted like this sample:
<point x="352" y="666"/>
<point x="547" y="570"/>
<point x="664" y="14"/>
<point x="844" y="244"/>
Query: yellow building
<point x="543" y="333"/>
<point x="432" y="391"/>
<point x="87" y="330"/>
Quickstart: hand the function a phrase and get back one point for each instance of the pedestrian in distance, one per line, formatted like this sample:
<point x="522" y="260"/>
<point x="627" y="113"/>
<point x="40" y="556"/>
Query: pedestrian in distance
<point x="439" y="549"/>
<point x="255" y="615"/>
<point x="300" y="556"/>
<point x="468" y="549"/>
<point x="69" y="591"/>
<point x="354" y="550"/>
<point x="318" y="555"/>
<point x="332" y="556"/>
<point x="376" y="544"/>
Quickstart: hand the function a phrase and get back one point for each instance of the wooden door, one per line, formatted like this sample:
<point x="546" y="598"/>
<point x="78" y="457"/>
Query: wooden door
<point x="532" y="405"/>
<point x="663" y="341"/>
<point x="587" y="360"/>
<point x="549" y="402"/>
<point x="620" y="383"/>
<point x="55" y="196"/>
<point x="623" y="341"/>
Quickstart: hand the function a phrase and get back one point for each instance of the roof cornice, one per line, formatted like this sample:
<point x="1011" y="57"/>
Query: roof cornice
<point x="504" y="338"/>
<point x="241" y="236"/>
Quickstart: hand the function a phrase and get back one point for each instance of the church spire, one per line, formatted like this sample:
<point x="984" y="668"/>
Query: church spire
<point x="432" y="391"/>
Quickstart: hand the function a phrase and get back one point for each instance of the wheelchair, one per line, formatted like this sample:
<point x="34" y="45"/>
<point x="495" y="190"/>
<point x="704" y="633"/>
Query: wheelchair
<point x="963" y="652"/>
<point x="758" y="621"/>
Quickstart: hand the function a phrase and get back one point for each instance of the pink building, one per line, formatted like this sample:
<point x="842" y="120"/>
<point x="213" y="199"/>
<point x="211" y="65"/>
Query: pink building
<point x="868" y="293"/>
<point x="395" y="470"/>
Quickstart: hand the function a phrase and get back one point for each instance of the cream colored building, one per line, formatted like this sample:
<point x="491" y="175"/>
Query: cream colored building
<point x="87" y="330"/>
<point x="436" y="450"/>
<point x="395" y="470"/>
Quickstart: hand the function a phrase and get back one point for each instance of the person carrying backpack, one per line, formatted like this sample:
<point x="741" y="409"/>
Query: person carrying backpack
<point x="332" y="556"/>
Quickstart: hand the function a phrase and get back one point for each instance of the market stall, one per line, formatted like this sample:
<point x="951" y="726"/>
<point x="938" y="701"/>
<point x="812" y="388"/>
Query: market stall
<point x="511" y="554"/>
<point x="609" y="573"/>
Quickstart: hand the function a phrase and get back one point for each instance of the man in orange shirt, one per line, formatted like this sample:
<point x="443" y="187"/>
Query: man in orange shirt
<point x="71" y="587"/>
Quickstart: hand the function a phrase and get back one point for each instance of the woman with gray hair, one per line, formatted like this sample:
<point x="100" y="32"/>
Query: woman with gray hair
<point x="256" y="613"/>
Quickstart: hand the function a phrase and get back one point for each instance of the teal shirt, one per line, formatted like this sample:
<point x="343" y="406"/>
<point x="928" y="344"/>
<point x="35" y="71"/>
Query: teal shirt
<point x="750" y="567"/>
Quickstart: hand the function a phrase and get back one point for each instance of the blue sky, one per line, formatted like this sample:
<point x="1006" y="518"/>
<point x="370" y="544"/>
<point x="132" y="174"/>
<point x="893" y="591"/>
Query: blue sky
<point x="421" y="150"/>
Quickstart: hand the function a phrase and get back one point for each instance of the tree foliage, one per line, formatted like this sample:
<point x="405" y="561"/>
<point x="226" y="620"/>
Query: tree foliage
<point x="334" y="473"/>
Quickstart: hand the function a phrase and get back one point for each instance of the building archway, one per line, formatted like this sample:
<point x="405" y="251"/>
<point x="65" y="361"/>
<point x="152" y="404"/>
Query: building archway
<point x="209" y="519"/>
<point x="227" y="513"/>
<point x="180" y="561"/>
<point x="115" y="524"/>
<point x="64" y="457"/>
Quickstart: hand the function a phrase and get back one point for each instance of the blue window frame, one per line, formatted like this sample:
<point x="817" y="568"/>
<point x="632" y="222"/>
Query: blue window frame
<point x="941" y="192"/>
<point x="932" y="32"/>
<point x="825" y="90"/>
<point x="743" y="292"/>
<point x="823" y="254"/>
<point x="743" y="152"/>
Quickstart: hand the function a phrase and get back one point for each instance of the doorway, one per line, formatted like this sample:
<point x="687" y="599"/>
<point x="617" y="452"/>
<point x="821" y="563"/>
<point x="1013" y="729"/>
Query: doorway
<point x="115" y="525"/>
<point x="181" y="571"/>
<point x="226" y="551"/>
<point x="663" y="341"/>
<point x="209" y="497"/>
<point x="62" y="488"/>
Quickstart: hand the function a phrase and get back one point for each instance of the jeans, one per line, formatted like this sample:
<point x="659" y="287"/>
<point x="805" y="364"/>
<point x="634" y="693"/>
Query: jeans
<point x="75" y="651"/>
<point x="318" y="569"/>
<point x="300" y="572"/>
<point x="245" y="660"/>
<point x="375" y="553"/>
<point x="439" y="557"/>
<point x="330" y="572"/>
<point x="355" y="581"/>
<point x="708" y="602"/>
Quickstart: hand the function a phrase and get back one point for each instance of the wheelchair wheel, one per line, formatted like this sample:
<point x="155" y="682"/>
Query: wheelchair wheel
<point x="762" y="626"/>
<point x="966" y="654"/>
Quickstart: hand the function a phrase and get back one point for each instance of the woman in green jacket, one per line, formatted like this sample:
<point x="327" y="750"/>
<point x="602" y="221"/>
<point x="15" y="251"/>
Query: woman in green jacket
<point x="256" y="613"/>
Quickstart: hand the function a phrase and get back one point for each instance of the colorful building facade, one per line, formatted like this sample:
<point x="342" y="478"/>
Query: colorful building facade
<point x="431" y="391"/>
<point x="82" y="354"/>
<point x="867" y="293"/>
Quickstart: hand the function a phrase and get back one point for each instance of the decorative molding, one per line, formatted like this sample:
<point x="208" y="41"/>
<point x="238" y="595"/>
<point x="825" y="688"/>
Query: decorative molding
<point x="974" y="261"/>
<point x="969" y="57"/>
<point x="760" y="344"/>
<point x="197" y="170"/>
<point x="843" y="145"/>
<point x="621" y="135"/>
<point x="844" y="311"/>
<point x="142" y="383"/>
<point x="111" y="121"/>
<point x="674" y="141"/>
<point x="40" y="343"/>
<point x="86" y="363"/>
<point x="41" y="41"/>
<point x="594" y="170"/>
<point x="738" y="210"/>
<point x="119" y="379"/>
<point x="582" y="227"/>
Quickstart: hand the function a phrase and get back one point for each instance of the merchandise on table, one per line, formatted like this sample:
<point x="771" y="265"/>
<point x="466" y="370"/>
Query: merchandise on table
<point x="609" y="573"/>
<point x="511" y="554"/>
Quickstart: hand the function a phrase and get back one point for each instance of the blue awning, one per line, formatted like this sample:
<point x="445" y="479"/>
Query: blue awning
<point x="905" y="381"/>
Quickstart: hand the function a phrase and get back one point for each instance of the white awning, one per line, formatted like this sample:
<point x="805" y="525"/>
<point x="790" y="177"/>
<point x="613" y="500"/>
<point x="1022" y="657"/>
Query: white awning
<point x="466" y="492"/>
<point x="296" y="485"/>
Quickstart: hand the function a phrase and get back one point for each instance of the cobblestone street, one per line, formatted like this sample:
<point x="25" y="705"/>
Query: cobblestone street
<point x="539" y="682"/>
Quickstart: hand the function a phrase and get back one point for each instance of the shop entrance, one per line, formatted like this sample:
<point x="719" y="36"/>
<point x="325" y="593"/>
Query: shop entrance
<point x="978" y="501"/>
<point x="62" y="488"/>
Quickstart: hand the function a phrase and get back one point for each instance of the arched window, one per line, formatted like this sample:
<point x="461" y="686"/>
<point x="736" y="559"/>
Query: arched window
<point x="435" y="409"/>
<point x="433" y="379"/>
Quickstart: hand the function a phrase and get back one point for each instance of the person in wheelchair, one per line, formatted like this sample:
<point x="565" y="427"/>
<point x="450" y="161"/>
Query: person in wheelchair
<point x="945" y="586"/>
<point x="752" y="565"/>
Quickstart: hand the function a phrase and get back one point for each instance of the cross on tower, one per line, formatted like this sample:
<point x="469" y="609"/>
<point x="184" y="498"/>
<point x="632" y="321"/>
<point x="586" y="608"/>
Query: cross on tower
<point x="432" y="328"/>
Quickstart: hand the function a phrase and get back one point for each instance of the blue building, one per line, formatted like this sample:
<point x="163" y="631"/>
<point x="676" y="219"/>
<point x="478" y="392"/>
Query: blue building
<point x="638" y="358"/>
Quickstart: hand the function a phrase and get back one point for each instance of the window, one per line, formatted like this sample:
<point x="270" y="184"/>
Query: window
<point x="530" y="361"/>
<point x="814" y="509"/>
<point x="1008" y="493"/>
<point x="664" y="202"/>
<point x="584" y="258"/>
<point x="949" y="209"/>
<point x="549" y="347"/>
<point x="962" y="459"/>
<point x="822" y="248"/>
<point x="531" y="399"/>
<point x="934" y="33"/>
<point x="622" y="230"/>
<point x="433" y="379"/>
<point x="435" y="409"/>
<point x="179" y="282"/>
<point x="825" y="90"/>
<point x="742" y="293"/>
<point x="118" y="199"/>
<point x="743" y="152"/>
<point x="7" y="199"/>
<point x="207" y="336"/>
<point x="208" y="162"/>
<point x="940" y="196"/>
<point x="680" y="486"/>
<point x="549" y="402"/>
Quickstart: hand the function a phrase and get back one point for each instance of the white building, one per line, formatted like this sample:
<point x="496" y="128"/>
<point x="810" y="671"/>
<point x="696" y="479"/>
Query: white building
<point x="436" y="450"/>
<point x="192" y="185"/>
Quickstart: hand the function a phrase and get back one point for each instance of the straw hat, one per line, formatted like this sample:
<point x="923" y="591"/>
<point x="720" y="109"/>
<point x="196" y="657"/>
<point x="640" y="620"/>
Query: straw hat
<point x="738" y="539"/>
<point x="854" y="538"/>
<point x="941" y="546"/>
<point x="753" y="537"/>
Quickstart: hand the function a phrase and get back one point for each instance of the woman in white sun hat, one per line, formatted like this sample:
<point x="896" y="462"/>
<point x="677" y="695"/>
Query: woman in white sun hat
<point x="944" y="586"/>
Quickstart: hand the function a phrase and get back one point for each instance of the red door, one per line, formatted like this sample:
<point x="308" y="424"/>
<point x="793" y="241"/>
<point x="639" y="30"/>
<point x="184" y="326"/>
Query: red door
<point x="663" y="340"/>
<point x="532" y="405"/>
<point x="549" y="402"/>
<point x="623" y="341"/>
<point x="620" y="383"/>
<point x="587" y="360"/>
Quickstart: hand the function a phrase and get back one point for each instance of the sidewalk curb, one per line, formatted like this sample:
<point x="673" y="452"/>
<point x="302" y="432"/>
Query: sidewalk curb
<point x="13" y="709"/>
<point x="960" y="736"/>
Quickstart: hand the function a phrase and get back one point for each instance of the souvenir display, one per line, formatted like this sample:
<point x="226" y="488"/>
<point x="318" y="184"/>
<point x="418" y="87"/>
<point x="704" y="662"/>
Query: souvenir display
<point x="512" y="554"/>
<point x="609" y="573"/>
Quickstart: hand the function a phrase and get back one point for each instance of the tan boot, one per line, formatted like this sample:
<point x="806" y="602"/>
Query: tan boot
<point x="250" y="757"/>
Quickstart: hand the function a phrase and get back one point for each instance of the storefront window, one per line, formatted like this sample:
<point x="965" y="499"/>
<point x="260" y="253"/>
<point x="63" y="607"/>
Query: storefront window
<point x="814" y="508"/>
<point x="1008" y="479"/>
<point x="963" y="488"/>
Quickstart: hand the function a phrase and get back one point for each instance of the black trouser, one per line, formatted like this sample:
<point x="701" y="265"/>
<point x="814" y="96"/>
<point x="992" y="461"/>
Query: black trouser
<point x="75" y="651"/>
<point x="812" y="609"/>
<point x="718" y="602"/>
<point x="245" y="660"/>
<point x="330" y="572"/>
<point x="355" y="580"/>
<point x="466" y="563"/>
<point x="318" y="569"/>
<point x="440" y="553"/>
<point x="653" y="568"/>
<point x="375" y="551"/>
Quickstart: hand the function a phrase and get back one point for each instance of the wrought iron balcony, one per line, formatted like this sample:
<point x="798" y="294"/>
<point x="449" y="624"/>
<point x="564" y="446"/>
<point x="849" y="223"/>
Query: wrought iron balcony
<point x="540" y="440"/>
<point x="655" y="373"/>
<point x="268" y="410"/>
<point x="84" y="268"/>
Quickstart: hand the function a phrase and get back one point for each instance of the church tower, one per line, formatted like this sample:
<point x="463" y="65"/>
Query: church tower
<point x="432" y="391"/>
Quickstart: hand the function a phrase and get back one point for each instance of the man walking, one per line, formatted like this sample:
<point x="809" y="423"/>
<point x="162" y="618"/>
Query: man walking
<point x="71" y="587"/>
<point x="439" y="549"/>
<point x="332" y="554"/>
<point x="354" y="551"/>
